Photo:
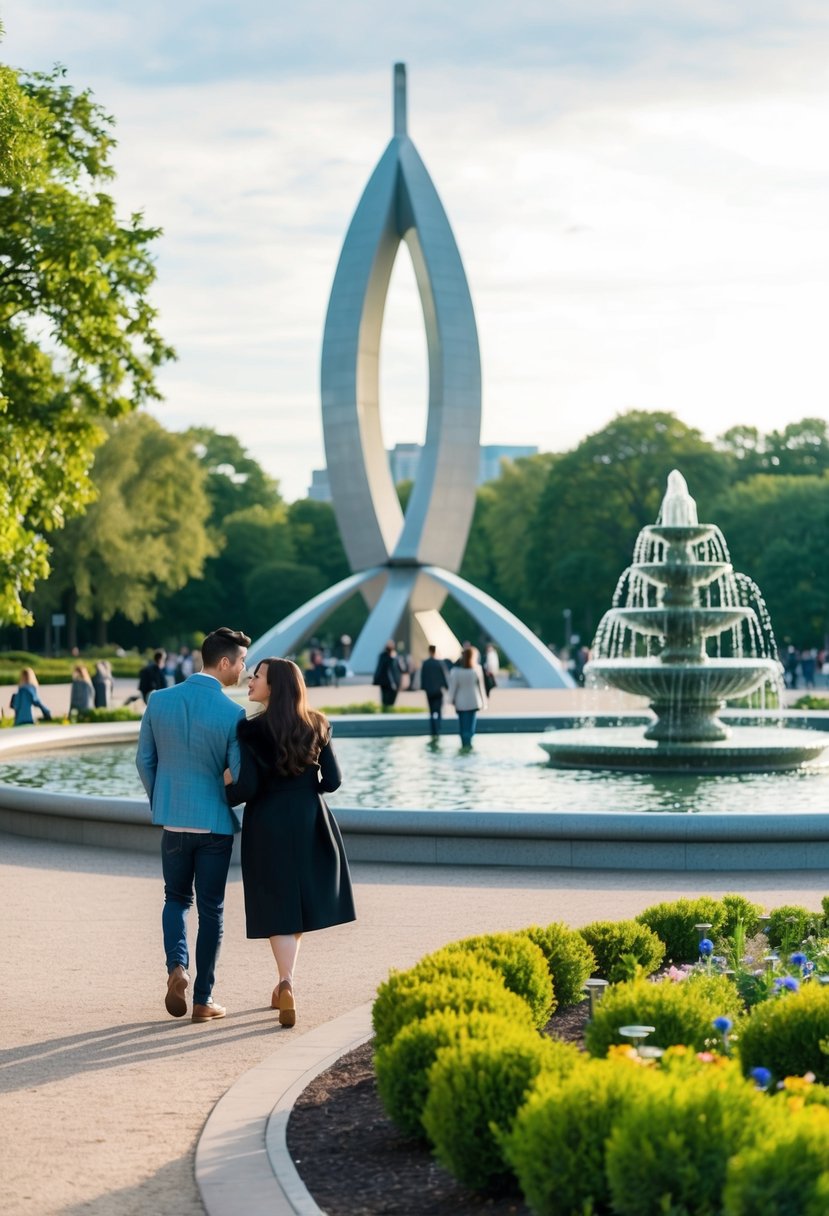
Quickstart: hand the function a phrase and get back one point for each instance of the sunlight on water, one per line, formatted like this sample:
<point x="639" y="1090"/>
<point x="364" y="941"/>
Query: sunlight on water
<point x="504" y="772"/>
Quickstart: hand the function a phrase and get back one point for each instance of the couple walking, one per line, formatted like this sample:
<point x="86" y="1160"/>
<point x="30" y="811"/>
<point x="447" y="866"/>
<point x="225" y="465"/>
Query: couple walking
<point x="198" y="757"/>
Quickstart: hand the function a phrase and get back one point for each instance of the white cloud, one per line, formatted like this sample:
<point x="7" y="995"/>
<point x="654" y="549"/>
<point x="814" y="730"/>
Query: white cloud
<point x="642" y="227"/>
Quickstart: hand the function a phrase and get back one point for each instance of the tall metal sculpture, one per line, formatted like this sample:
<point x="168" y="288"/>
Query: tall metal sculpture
<point x="404" y="564"/>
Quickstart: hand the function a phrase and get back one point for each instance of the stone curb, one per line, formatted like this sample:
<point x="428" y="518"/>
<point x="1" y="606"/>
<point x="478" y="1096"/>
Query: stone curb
<point x="243" y="1167"/>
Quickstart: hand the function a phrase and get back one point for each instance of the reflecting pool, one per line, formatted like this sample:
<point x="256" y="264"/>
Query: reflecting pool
<point x="504" y="772"/>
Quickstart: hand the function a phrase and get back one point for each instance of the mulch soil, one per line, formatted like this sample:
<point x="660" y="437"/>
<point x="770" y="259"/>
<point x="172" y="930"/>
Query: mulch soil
<point x="354" y="1161"/>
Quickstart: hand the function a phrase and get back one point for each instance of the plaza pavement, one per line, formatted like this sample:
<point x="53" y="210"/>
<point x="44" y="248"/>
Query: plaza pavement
<point x="103" y="1095"/>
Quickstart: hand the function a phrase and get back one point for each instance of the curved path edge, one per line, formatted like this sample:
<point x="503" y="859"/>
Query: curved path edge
<point x="243" y="1167"/>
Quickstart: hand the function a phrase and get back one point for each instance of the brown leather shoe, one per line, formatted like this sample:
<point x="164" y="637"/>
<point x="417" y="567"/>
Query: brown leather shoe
<point x="206" y="1013"/>
<point x="175" y="1002"/>
<point x="287" y="1006"/>
<point x="275" y="998"/>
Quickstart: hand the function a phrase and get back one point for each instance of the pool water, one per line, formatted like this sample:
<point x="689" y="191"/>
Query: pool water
<point x="503" y="772"/>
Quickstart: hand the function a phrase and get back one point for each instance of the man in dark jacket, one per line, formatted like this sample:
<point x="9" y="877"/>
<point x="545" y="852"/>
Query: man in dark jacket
<point x="387" y="675"/>
<point x="433" y="681"/>
<point x="152" y="677"/>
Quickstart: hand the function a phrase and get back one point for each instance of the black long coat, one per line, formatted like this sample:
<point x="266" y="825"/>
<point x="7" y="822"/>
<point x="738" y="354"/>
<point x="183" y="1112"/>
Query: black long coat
<point x="294" y="867"/>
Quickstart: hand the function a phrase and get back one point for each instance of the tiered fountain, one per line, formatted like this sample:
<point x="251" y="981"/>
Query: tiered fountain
<point x="679" y="598"/>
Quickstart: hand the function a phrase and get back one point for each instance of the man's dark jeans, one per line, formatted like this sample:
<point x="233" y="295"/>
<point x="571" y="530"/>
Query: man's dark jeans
<point x="435" y="700"/>
<point x="200" y="860"/>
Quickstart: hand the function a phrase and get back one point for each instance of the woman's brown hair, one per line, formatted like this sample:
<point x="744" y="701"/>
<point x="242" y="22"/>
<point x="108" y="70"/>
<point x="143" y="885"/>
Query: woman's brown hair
<point x="298" y="732"/>
<point x="468" y="656"/>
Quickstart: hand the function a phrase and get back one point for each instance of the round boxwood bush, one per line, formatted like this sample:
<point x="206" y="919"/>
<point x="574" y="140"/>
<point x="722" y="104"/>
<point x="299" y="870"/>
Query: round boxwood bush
<point x="787" y="1174"/>
<point x="673" y="923"/>
<point x="785" y="1034"/>
<point x="556" y="1147"/>
<point x="610" y="940"/>
<point x="569" y="960"/>
<point x="680" y="1013"/>
<point x="402" y="1066"/>
<point x="475" y="1088"/>
<point x="521" y="965"/>
<point x="790" y="924"/>
<point x="671" y="1150"/>
<point x="739" y="910"/>
<point x="454" y="981"/>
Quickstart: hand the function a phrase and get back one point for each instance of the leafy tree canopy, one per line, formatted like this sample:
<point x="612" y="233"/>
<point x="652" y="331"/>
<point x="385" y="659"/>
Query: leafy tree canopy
<point x="78" y="342"/>
<point x="800" y="449"/>
<point x="235" y="481"/>
<point x="145" y="532"/>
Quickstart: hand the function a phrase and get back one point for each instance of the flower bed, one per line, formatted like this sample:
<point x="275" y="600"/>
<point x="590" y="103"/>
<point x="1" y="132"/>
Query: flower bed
<point x="690" y="1080"/>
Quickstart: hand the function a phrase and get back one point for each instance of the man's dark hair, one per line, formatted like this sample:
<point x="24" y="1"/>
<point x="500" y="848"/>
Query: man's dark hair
<point x="433" y="651"/>
<point x="159" y="656"/>
<point x="222" y="643"/>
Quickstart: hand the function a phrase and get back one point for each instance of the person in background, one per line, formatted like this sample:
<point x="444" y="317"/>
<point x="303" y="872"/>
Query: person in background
<point x="405" y="666"/>
<point x="82" y="693"/>
<point x="294" y="868"/>
<point x="387" y="675"/>
<point x="26" y="698"/>
<point x="152" y="677"/>
<point x="433" y="681"/>
<point x="491" y="665"/>
<point x="103" y="684"/>
<point x="467" y="694"/>
<point x="184" y="665"/>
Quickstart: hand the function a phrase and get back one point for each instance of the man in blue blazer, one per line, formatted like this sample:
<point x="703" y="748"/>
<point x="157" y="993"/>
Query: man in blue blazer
<point x="187" y="740"/>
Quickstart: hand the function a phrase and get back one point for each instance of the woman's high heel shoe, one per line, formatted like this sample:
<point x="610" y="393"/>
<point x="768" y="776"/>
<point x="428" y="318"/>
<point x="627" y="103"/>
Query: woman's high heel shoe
<point x="285" y="1003"/>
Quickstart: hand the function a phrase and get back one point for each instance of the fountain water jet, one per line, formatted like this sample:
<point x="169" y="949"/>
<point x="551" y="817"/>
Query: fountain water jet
<point x="681" y="595"/>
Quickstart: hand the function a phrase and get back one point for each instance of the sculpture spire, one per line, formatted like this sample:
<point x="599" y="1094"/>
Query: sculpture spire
<point x="400" y="99"/>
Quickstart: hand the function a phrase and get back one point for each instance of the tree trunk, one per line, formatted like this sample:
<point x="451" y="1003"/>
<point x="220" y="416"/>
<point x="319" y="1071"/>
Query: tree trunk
<point x="71" y="620"/>
<point x="100" y="630"/>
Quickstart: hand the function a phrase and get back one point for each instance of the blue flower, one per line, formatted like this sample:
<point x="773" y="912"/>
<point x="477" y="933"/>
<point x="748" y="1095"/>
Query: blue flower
<point x="762" y="1077"/>
<point x="788" y="982"/>
<point x="723" y="1025"/>
<point x="798" y="959"/>
<point x="706" y="947"/>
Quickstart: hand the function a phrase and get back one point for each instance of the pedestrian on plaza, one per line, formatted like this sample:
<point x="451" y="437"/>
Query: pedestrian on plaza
<point x="294" y="868"/>
<point x="468" y="694"/>
<point x="491" y="665"/>
<point x="27" y="698"/>
<point x="188" y="739"/>
<point x="152" y="677"/>
<point x="82" y="692"/>
<point x="433" y="681"/>
<point x="103" y="684"/>
<point x="387" y="675"/>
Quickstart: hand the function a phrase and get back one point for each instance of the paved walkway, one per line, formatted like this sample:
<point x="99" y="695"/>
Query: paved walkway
<point x="103" y="1096"/>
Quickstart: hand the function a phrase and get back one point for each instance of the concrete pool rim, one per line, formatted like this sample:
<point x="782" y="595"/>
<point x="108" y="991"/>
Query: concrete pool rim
<point x="715" y="840"/>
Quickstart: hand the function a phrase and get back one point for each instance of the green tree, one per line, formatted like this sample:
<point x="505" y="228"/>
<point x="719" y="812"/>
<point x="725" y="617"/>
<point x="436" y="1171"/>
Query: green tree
<point x="776" y="529"/>
<point x="800" y="449"/>
<point x="595" y="501"/>
<point x="235" y="481"/>
<point x="78" y="341"/>
<point x="143" y="535"/>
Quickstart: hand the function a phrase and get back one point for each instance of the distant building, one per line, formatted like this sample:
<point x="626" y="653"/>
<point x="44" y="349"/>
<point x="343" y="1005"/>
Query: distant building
<point x="405" y="457"/>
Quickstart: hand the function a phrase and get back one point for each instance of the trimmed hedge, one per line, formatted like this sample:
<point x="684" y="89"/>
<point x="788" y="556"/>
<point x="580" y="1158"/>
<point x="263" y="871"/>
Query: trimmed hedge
<point x="521" y="965"/>
<point x="680" y="1013"/>
<point x="787" y="1174"/>
<point x="569" y="959"/>
<point x="673" y="923"/>
<point x="787" y="1034"/>
<point x="475" y="1089"/>
<point x="611" y="940"/>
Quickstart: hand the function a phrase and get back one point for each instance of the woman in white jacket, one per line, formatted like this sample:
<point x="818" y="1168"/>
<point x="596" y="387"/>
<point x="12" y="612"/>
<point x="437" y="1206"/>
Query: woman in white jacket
<point x="467" y="694"/>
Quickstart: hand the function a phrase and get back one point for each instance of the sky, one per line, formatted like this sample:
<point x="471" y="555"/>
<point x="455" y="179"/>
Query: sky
<point x="639" y="191"/>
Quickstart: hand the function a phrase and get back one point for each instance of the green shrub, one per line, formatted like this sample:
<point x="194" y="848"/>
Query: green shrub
<point x="739" y="910"/>
<point x="122" y="714"/>
<point x="457" y="981"/>
<point x="785" y="1033"/>
<point x="680" y="1013"/>
<point x="788" y="1175"/>
<point x="673" y="923"/>
<point x="610" y="940"/>
<point x="475" y="1089"/>
<point x="402" y="1066"/>
<point x="790" y="924"/>
<point x="569" y="960"/>
<point x="670" y="1152"/>
<point x="521" y="965"/>
<point x="556" y="1147"/>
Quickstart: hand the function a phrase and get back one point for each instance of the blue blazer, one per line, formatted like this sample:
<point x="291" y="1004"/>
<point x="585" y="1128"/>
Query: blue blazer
<point x="187" y="740"/>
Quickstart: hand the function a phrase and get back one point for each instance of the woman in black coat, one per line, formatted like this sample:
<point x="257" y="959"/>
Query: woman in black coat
<point x="294" y="869"/>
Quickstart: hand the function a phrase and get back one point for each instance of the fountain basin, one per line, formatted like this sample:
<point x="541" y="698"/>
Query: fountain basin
<point x="686" y="574"/>
<point x="695" y="622"/>
<point x="747" y="749"/>
<point x="711" y="681"/>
